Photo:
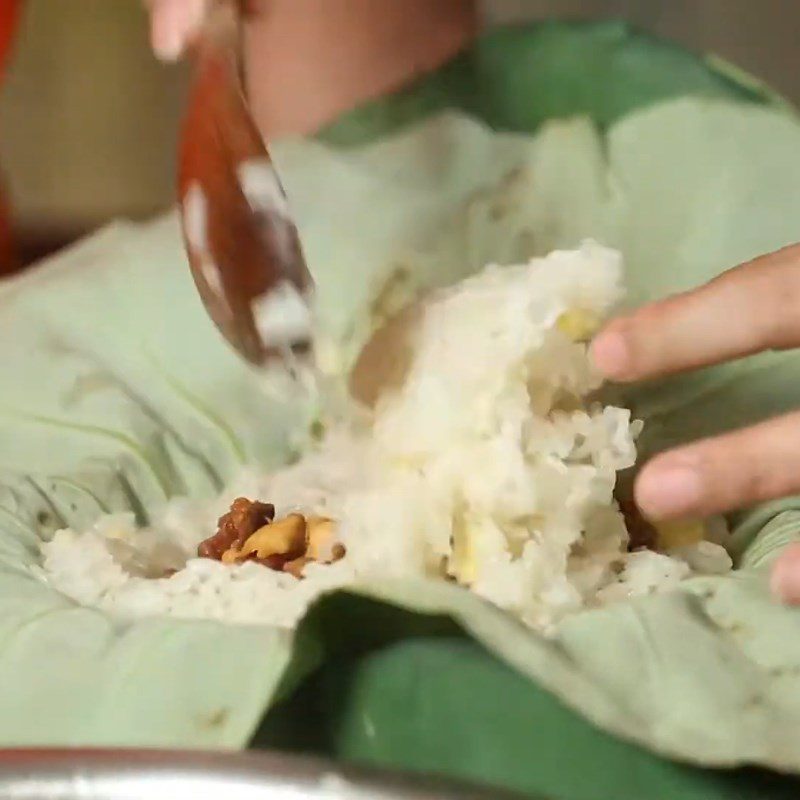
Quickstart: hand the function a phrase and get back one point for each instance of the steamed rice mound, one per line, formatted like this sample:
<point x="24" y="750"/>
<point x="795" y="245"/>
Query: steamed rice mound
<point x="487" y="466"/>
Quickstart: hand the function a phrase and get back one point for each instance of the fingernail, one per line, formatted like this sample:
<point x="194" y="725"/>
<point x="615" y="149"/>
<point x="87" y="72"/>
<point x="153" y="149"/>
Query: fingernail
<point x="669" y="491"/>
<point x="785" y="578"/>
<point x="610" y="354"/>
<point x="169" y="44"/>
<point x="174" y="23"/>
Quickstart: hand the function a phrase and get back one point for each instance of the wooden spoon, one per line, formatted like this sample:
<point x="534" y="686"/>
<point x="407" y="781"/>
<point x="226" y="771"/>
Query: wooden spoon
<point x="243" y="247"/>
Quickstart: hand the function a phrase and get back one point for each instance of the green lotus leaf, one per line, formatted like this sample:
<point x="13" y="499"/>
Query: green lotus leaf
<point x="119" y="395"/>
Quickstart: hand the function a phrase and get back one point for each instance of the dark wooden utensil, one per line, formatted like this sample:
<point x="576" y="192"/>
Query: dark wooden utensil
<point x="243" y="246"/>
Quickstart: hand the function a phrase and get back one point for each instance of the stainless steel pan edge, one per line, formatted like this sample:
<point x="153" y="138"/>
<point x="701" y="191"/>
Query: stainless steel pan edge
<point x="169" y="775"/>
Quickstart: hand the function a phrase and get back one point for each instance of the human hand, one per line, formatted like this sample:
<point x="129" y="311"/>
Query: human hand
<point x="309" y="61"/>
<point x="752" y="308"/>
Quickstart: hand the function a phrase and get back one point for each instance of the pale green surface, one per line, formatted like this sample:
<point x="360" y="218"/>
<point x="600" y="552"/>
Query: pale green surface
<point x="708" y="675"/>
<point x="72" y="676"/>
<point x="685" y="189"/>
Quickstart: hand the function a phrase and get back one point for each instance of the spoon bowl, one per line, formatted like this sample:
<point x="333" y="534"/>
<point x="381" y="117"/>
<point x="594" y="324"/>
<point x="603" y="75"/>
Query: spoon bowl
<point x="242" y="244"/>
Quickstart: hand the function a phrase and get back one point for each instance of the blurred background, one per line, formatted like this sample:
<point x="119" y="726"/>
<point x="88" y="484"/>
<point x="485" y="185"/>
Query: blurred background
<point x="88" y="118"/>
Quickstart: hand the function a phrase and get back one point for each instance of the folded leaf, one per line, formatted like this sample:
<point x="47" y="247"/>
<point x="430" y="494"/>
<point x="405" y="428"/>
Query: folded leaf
<point x="120" y="395"/>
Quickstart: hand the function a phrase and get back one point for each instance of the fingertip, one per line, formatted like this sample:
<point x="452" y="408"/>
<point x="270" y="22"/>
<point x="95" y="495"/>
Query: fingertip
<point x="167" y="46"/>
<point x="785" y="578"/>
<point x="174" y="24"/>
<point x="610" y="352"/>
<point x="167" y="31"/>
<point x="669" y="487"/>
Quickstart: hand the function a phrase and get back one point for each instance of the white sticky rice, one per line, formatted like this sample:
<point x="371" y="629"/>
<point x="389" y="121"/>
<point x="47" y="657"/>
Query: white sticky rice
<point x="488" y="467"/>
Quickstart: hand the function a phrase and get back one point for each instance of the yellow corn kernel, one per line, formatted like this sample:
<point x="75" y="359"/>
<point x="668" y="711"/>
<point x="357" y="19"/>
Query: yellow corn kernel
<point x="578" y="324"/>
<point x="463" y="565"/>
<point x="679" y="534"/>
<point x="412" y="462"/>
